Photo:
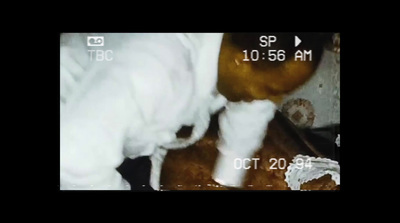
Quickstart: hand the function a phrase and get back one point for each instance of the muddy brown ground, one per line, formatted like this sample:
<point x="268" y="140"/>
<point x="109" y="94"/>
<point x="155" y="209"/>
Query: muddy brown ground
<point x="191" y="168"/>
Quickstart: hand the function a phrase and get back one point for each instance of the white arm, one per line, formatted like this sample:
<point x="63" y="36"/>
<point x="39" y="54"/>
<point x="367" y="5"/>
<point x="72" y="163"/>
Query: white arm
<point x="92" y="131"/>
<point x="243" y="126"/>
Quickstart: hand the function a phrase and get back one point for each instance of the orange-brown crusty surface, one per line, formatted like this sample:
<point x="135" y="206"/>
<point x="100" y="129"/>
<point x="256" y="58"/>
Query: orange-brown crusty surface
<point x="191" y="168"/>
<point x="263" y="79"/>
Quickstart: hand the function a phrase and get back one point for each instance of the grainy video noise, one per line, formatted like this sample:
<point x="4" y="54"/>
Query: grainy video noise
<point x="199" y="111"/>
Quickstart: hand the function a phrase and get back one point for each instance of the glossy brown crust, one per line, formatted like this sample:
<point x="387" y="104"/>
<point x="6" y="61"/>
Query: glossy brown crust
<point x="191" y="168"/>
<point x="248" y="80"/>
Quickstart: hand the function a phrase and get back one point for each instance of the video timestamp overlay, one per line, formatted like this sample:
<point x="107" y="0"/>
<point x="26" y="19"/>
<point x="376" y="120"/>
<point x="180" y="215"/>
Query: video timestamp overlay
<point x="200" y="111"/>
<point x="276" y="55"/>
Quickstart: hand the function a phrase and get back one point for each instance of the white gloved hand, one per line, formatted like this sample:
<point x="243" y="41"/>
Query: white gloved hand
<point x="243" y="126"/>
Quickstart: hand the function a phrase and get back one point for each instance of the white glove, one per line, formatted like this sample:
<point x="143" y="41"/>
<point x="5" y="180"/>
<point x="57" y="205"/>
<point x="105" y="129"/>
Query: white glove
<point x="243" y="126"/>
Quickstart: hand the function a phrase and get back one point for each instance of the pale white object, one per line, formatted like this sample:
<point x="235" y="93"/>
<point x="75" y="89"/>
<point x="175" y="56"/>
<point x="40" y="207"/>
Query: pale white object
<point x="133" y="104"/>
<point x="337" y="141"/>
<point x="243" y="126"/>
<point x="315" y="168"/>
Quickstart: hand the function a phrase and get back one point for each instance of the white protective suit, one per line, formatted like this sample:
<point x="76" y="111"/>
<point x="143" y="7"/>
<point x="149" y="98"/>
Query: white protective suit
<point x="133" y="104"/>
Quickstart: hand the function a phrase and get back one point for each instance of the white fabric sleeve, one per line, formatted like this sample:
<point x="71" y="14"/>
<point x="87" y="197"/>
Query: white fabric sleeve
<point x="92" y="131"/>
<point x="243" y="126"/>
